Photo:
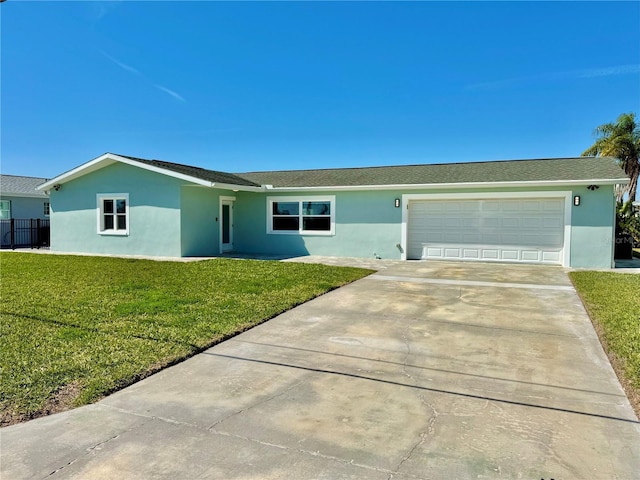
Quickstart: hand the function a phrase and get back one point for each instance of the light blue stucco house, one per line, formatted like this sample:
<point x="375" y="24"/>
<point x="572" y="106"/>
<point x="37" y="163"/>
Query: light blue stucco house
<point x="551" y="211"/>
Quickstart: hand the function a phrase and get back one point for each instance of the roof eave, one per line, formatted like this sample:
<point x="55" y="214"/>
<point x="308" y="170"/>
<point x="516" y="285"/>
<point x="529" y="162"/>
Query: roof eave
<point x="462" y="185"/>
<point x="236" y="188"/>
<point x="22" y="194"/>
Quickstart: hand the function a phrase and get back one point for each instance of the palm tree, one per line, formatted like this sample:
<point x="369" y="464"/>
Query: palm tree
<point x="622" y="141"/>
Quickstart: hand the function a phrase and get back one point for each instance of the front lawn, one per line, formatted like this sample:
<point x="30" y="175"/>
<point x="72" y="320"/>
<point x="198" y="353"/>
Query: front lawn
<point x="74" y="328"/>
<point x="613" y="302"/>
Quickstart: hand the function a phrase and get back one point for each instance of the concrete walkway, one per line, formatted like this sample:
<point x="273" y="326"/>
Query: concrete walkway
<point x="422" y="370"/>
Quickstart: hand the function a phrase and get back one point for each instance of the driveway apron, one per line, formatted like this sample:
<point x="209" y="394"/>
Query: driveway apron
<point x="421" y="370"/>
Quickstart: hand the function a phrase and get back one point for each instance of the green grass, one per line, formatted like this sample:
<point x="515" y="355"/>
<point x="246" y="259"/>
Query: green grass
<point x="613" y="301"/>
<point x="74" y="329"/>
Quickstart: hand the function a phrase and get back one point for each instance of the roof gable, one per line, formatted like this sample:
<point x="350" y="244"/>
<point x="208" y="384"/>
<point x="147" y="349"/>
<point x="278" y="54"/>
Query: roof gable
<point x="195" y="175"/>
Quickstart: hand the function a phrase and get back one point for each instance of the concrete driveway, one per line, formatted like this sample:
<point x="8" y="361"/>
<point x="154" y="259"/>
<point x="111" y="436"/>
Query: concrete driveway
<point x="422" y="370"/>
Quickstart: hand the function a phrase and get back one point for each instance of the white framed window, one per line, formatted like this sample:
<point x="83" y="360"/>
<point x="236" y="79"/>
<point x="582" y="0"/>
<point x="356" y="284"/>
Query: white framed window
<point x="47" y="209"/>
<point x="313" y="215"/>
<point x="5" y="209"/>
<point x="113" y="213"/>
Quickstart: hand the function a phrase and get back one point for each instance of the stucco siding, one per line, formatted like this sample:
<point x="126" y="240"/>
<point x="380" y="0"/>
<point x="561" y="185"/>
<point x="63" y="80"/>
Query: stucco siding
<point x="199" y="221"/>
<point x="365" y="223"/>
<point x="593" y="228"/>
<point x="26" y="207"/>
<point x="154" y="213"/>
<point x="172" y="217"/>
<point x="368" y="224"/>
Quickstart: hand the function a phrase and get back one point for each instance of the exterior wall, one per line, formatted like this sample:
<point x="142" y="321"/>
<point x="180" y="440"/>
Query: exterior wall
<point x="154" y="213"/>
<point x="200" y="222"/>
<point x="368" y="225"/>
<point x="169" y="217"/>
<point x="27" y="207"/>
<point x="593" y="228"/>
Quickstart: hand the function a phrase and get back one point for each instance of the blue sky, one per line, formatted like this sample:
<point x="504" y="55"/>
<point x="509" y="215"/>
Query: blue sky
<point x="242" y="86"/>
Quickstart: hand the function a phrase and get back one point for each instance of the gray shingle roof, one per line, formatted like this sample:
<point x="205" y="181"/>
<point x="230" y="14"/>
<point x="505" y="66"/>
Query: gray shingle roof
<point x="505" y="171"/>
<point x="555" y="169"/>
<point x="17" y="185"/>
<point x="201" y="173"/>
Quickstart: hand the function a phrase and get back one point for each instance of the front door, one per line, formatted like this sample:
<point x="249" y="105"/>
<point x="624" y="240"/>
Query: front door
<point x="226" y="225"/>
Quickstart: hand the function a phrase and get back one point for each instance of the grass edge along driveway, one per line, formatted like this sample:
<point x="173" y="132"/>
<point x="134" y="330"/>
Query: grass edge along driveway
<point x="75" y="328"/>
<point x="613" y="302"/>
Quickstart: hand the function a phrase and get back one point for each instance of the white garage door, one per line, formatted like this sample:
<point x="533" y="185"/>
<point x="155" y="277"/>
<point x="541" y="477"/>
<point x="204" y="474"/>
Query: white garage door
<point x="528" y="230"/>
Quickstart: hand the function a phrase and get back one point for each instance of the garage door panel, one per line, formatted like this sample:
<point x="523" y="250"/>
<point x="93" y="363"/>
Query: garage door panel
<point x="453" y="222"/>
<point x="490" y="205"/>
<point x="436" y="237"/>
<point x="490" y="254"/>
<point x="552" y="223"/>
<point x="551" y="257"/>
<point x="470" y="222"/>
<point x="552" y="206"/>
<point x="530" y="255"/>
<point x="452" y="237"/>
<point x="510" y="238"/>
<point x="510" y="222"/>
<point x="531" y="206"/>
<point x="491" y="239"/>
<point x="518" y="230"/>
<point x="472" y="238"/>
<point x="509" y="254"/>
<point x="532" y="222"/>
<point x="471" y="253"/>
<point x="491" y="222"/>
<point x="510" y="207"/>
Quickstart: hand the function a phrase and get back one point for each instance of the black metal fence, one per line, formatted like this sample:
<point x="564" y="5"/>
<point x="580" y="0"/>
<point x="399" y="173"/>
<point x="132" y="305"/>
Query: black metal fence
<point x="24" y="232"/>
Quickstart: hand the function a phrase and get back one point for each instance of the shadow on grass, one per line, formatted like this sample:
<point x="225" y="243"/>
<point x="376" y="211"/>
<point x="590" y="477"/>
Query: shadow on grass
<point x="110" y="333"/>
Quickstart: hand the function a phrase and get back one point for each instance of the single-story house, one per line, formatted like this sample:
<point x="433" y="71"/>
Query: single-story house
<point x="551" y="211"/>
<point x="24" y="212"/>
<point x="19" y="197"/>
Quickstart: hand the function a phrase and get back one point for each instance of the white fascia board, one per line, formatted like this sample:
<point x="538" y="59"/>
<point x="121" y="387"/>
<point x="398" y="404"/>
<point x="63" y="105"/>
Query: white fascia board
<point x="91" y="166"/>
<point x="241" y="188"/>
<point x="109" y="159"/>
<point x="24" y="195"/>
<point x="436" y="186"/>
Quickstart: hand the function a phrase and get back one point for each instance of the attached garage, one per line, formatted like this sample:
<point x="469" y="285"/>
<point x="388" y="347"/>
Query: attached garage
<point x="529" y="227"/>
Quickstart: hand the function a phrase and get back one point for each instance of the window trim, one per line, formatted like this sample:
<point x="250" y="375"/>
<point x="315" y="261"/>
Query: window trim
<point x="301" y="199"/>
<point x="100" y="197"/>
<point x="46" y="209"/>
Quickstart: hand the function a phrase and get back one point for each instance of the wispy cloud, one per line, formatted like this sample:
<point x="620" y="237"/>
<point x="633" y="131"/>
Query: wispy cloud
<point x="609" y="71"/>
<point x="101" y="9"/>
<point x="557" y="76"/>
<point x="137" y="72"/>
<point x="170" y="92"/>
<point x="124" y="66"/>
